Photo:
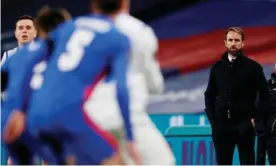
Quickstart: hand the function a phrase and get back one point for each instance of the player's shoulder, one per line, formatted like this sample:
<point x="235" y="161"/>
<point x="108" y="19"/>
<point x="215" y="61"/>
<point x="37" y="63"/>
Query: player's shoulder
<point x="35" y="45"/>
<point x="33" y="49"/>
<point x="96" y="23"/>
<point x="126" y="20"/>
<point x="135" y="29"/>
<point x="11" y="52"/>
<point x="131" y="25"/>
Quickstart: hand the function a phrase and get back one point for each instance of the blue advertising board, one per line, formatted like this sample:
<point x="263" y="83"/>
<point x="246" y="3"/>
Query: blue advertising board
<point x="188" y="135"/>
<point x="194" y="146"/>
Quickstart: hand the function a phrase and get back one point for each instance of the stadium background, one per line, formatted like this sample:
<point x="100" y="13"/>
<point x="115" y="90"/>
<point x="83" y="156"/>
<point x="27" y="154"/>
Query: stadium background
<point x="191" y="37"/>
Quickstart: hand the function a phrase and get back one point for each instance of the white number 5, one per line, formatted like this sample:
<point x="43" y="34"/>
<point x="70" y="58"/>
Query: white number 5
<point x="70" y="59"/>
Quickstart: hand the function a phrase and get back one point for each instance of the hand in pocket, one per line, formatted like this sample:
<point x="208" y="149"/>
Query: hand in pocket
<point x="253" y="122"/>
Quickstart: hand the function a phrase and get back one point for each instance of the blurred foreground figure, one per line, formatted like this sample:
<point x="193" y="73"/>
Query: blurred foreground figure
<point x="89" y="50"/>
<point x="18" y="141"/>
<point x="144" y="78"/>
<point x="25" y="32"/>
<point x="230" y="97"/>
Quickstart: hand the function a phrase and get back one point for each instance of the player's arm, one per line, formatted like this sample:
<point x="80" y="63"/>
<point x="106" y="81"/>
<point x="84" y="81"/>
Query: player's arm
<point x="119" y="67"/>
<point x="152" y="71"/>
<point x="4" y="58"/>
<point x="17" y="74"/>
<point x="17" y="89"/>
<point x="16" y="123"/>
<point x="20" y="86"/>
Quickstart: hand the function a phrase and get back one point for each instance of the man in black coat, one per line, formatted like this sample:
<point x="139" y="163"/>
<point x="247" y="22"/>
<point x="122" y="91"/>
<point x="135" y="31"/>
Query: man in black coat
<point x="271" y="122"/>
<point x="234" y="82"/>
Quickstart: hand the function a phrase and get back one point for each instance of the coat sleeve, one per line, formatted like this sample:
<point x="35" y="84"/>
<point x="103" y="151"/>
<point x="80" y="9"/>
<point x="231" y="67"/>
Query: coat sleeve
<point x="210" y="95"/>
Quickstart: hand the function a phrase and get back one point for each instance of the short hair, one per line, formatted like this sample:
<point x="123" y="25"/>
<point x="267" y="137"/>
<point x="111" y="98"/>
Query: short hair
<point x="234" y="29"/>
<point x="48" y="19"/>
<point x="108" y="6"/>
<point x="25" y="17"/>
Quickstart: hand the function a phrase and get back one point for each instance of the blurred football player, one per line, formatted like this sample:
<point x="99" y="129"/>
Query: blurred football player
<point x="86" y="49"/>
<point x="22" y="147"/>
<point x="144" y="77"/>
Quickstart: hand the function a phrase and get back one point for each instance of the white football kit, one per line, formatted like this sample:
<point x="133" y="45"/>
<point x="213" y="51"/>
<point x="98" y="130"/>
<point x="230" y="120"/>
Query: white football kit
<point x="144" y="77"/>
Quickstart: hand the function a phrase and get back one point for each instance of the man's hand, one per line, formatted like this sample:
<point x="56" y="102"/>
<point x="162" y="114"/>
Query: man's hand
<point x="133" y="152"/>
<point x="9" y="161"/>
<point x="15" y="126"/>
<point x="253" y="122"/>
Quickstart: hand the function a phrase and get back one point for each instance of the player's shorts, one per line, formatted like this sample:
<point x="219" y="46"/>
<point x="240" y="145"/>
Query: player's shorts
<point x="81" y="140"/>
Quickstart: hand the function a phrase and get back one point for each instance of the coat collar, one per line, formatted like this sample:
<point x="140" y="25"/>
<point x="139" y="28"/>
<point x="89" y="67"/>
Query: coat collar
<point x="238" y="58"/>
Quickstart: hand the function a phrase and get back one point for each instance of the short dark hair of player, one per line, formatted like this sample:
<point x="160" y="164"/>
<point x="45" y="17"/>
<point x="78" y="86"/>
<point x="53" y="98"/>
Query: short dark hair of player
<point x="48" y="18"/>
<point x="25" y="17"/>
<point x="107" y="6"/>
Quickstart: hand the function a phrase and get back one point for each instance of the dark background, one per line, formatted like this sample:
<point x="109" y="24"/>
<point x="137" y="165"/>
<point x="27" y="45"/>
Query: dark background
<point x="146" y="10"/>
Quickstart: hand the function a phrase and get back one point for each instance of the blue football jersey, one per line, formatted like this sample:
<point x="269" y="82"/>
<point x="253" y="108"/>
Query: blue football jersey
<point x="20" y="68"/>
<point x="86" y="49"/>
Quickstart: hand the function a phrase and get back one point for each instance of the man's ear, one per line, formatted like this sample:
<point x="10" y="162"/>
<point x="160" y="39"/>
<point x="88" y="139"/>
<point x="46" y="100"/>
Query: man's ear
<point x="35" y="34"/>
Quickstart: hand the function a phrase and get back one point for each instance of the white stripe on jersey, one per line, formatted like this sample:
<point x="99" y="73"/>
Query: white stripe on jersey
<point x="8" y="54"/>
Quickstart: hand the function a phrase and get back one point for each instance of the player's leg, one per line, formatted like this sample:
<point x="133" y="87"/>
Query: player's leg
<point x="55" y="143"/>
<point x="92" y="148"/>
<point x="24" y="150"/>
<point x="105" y="140"/>
<point x="19" y="153"/>
<point x="152" y="146"/>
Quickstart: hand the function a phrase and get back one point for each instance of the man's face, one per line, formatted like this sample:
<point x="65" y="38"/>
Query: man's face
<point x="25" y="31"/>
<point x="233" y="42"/>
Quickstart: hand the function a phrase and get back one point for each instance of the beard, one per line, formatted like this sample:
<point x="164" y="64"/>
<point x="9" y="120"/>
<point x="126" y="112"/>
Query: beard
<point x="234" y="51"/>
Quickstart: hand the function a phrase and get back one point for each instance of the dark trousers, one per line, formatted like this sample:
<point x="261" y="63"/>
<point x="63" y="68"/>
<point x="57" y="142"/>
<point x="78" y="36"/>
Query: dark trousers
<point x="271" y="149"/>
<point x="261" y="149"/>
<point x="226" y="139"/>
